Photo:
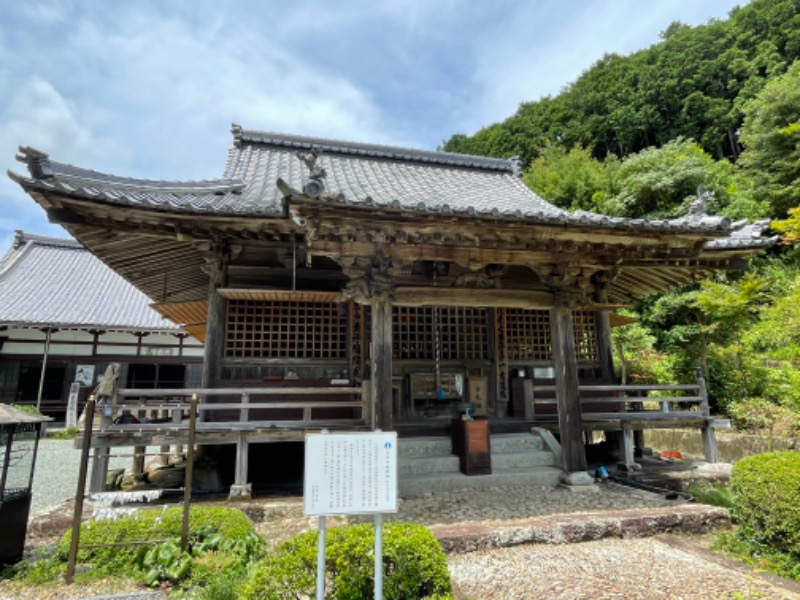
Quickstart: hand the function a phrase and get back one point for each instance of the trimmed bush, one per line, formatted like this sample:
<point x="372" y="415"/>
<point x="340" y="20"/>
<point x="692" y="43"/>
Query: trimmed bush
<point x="767" y="492"/>
<point x="414" y="565"/>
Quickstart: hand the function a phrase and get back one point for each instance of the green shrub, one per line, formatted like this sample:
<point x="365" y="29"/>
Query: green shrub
<point x="150" y="524"/>
<point x="414" y="565"/>
<point x="767" y="492"/>
<point x="69" y="433"/>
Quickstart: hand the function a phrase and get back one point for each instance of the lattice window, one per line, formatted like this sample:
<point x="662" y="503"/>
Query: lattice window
<point x="462" y="331"/>
<point x="528" y="334"/>
<point x="585" y="325"/>
<point x="264" y="329"/>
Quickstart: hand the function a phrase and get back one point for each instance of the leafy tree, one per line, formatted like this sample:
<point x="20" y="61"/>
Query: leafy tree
<point x="661" y="183"/>
<point x="570" y="179"/>
<point x="635" y="355"/>
<point x="694" y="83"/>
<point x="771" y="135"/>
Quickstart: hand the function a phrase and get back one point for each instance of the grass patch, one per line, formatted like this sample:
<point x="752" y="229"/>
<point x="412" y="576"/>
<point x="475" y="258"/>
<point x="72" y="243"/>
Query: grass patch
<point x="68" y="433"/>
<point x="715" y="494"/>
<point x="758" y="556"/>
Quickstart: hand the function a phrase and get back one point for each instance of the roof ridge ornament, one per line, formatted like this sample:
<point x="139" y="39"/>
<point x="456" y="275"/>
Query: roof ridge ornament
<point x="698" y="207"/>
<point x="314" y="185"/>
<point x="39" y="165"/>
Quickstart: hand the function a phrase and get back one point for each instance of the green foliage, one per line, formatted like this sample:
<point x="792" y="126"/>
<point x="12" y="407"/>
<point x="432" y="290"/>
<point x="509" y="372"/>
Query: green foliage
<point x="771" y="135"/>
<point x="414" y="565"/>
<point x="662" y="182"/>
<point x="762" y="558"/>
<point x="571" y="179"/>
<point x="635" y="355"/>
<point x="68" y="433"/>
<point x="151" y="525"/>
<point x="694" y="84"/>
<point x="715" y="494"/>
<point x="28" y="408"/>
<point x="209" y="555"/>
<point x="767" y="496"/>
<point x="757" y="415"/>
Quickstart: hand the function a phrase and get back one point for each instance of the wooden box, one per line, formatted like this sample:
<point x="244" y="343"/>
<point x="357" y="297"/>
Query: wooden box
<point x="472" y="446"/>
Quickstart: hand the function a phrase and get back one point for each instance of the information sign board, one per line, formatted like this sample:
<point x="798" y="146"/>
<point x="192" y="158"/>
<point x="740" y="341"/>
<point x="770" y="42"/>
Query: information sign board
<point x="350" y="473"/>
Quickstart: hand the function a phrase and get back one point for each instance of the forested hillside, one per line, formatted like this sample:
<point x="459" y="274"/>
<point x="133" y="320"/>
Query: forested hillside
<point x="716" y="105"/>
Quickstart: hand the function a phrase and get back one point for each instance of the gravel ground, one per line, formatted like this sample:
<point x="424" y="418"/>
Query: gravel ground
<point x="56" y="474"/>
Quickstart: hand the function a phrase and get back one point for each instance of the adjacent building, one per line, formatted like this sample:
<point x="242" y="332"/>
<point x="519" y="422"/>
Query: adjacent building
<point x="64" y="316"/>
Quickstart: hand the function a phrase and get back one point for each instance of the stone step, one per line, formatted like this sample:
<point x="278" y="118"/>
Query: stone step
<point x="421" y="484"/>
<point x="424" y="446"/>
<point x="521" y="460"/>
<point x="515" y="442"/>
<point x="419" y="465"/>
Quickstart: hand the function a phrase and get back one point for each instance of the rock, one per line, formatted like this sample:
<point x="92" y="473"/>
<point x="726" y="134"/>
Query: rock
<point x="719" y="471"/>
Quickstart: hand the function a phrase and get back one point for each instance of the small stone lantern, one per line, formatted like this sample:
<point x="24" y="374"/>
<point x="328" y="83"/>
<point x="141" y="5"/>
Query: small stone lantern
<point x="19" y="441"/>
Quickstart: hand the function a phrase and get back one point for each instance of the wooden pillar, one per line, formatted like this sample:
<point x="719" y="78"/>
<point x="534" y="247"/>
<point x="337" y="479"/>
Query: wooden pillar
<point x="381" y="361"/>
<point x="605" y="355"/>
<point x="565" y="365"/>
<point x="215" y="324"/>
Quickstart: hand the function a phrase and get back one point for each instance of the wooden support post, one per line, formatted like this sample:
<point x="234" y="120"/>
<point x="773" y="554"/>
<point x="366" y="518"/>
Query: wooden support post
<point x="80" y="492"/>
<point x="187" y="484"/>
<point x="604" y="352"/>
<point x="215" y="325"/>
<point x="97" y="481"/>
<point x="565" y="365"/>
<point x="368" y="413"/>
<point x="527" y="389"/>
<point x="708" y="432"/>
<point x="177" y="449"/>
<point x="381" y="372"/>
<point x="137" y="467"/>
<point x="626" y="451"/>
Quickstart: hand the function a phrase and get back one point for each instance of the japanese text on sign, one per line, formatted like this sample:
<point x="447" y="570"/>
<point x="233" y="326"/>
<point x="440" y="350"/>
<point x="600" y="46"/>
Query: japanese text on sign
<point x="350" y="473"/>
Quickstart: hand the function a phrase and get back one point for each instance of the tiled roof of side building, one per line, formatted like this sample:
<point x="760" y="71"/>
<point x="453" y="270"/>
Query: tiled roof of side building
<point x="49" y="281"/>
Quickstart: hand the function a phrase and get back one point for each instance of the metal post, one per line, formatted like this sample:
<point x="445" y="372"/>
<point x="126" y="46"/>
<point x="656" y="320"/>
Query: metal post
<point x="379" y="557"/>
<point x="79" y="493"/>
<point x="321" y="559"/>
<point x="187" y="485"/>
<point x="44" y="368"/>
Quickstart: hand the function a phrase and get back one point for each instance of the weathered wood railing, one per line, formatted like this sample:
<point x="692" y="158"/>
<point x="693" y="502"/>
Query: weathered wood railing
<point x="162" y="401"/>
<point x="162" y="420"/>
<point x="634" y="400"/>
<point x="631" y="407"/>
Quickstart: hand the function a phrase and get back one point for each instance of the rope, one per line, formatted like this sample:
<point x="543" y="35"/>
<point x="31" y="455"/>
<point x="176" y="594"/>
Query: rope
<point x="437" y="349"/>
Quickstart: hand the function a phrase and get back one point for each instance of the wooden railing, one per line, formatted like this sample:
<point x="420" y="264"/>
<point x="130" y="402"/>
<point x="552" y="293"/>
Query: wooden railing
<point x="634" y="402"/>
<point x="158" y="408"/>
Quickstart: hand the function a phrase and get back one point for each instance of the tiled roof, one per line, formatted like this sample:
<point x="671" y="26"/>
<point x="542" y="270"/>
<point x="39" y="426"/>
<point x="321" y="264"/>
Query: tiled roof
<point x="744" y="235"/>
<point x="263" y="169"/>
<point x="50" y="281"/>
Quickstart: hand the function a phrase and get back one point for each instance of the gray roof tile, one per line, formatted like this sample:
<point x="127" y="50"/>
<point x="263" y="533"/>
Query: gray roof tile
<point x="356" y="174"/>
<point x="50" y="281"/>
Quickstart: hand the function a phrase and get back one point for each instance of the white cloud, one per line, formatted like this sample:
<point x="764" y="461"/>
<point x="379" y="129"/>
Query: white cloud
<point x="38" y="115"/>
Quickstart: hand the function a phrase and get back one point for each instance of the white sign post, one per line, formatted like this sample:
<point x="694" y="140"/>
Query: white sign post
<point x="71" y="418"/>
<point x="350" y="474"/>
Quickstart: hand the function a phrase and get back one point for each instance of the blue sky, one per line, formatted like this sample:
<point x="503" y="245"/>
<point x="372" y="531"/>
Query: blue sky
<point x="150" y="88"/>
